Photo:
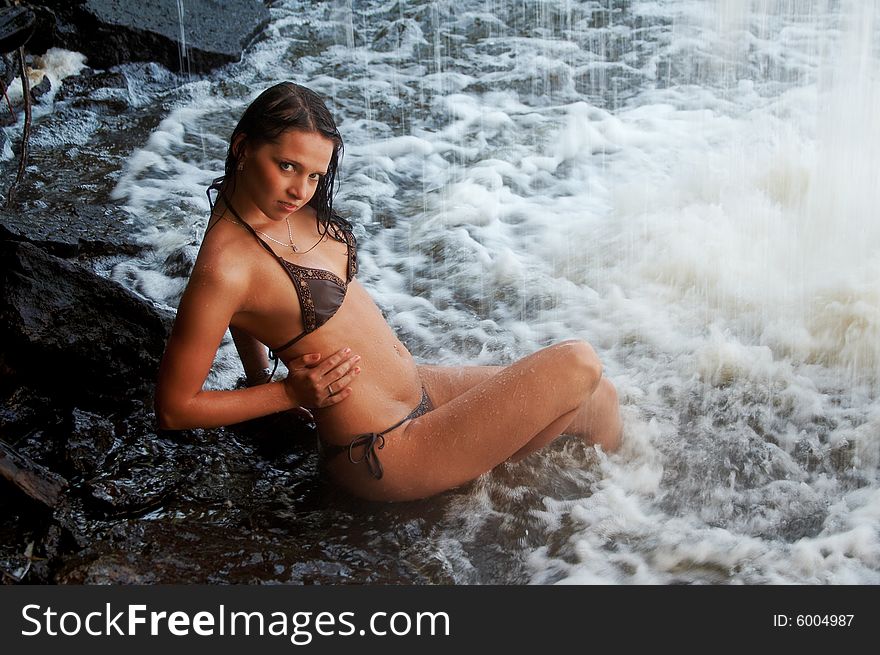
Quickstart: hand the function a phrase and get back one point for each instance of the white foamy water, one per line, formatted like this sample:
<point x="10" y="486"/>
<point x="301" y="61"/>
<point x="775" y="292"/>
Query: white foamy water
<point x="690" y="186"/>
<point x="56" y="64"/>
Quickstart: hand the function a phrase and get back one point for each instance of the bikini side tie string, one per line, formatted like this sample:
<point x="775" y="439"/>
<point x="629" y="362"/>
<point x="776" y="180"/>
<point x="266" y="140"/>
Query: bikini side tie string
<point x="368" y="442"/>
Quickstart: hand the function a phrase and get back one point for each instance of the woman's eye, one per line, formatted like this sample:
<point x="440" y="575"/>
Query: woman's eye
<point x="315" y="176"/>
<point x="286" y="166"/>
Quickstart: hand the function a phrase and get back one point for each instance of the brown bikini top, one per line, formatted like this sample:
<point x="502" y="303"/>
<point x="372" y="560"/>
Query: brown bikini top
<point x="320" y="292"/>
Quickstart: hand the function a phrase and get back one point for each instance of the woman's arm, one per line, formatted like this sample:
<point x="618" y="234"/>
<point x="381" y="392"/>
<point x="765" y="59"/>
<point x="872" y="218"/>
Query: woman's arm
<point x="253" y="355"/>
<point x="211" y="299"/>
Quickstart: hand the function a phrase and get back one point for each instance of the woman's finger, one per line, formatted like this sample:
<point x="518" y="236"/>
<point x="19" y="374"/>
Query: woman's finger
<point x="340" y="389"/>
<point x="338" y="396"/>
<point x="345" y="380"/>
<point x="343" y="368"/>
<point x="308" y="360"/>
<point x="333" y="361"/>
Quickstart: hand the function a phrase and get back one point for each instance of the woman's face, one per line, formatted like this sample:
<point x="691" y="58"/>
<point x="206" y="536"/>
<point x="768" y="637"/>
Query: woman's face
<point x="279" y="177"/>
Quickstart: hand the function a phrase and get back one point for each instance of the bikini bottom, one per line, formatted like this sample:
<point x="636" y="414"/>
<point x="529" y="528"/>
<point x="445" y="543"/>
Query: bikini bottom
<point x="370" y="441"/>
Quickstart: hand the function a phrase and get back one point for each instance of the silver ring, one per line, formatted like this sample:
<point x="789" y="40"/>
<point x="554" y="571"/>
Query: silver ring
<point x="330" y="388"/>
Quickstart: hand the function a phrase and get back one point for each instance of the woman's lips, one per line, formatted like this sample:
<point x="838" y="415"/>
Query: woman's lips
<point x="287" y="206"/>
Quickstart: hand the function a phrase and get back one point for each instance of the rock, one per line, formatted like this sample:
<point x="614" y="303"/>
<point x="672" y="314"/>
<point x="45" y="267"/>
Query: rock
<point x="112" y="569"/>
<point x="141" y="491"/>
<point x="210" y="33"/>
<point x="402" y="33"/>
<point x="140" y="472"/>
<point x="8" y="70"/>
<point x="181" y="261"/>
<point x="71" y="334"/>
<point x="70" y="230"/>
<point x="88" y="82"/>
<point x="24" y="412"/>
<point x="91" y="439"/>
<point x="41" y="89"/>
<point x="16" y="27"/>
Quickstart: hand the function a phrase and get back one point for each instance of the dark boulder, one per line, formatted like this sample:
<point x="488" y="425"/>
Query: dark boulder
<point x="209" y="33"/>
<point x="8" y="70"/>
<point x="88" y="81"/>
<point x="89" y="442"/>
<point x="72" y="334"/>
<point x="17" y="24"/>
<point x="70" y="228"/>
<point x="41" y="89"/>
<point x="23" y="411"/>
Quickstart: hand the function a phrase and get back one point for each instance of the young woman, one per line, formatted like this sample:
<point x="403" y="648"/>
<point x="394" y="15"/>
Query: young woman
<point x="277" y="266"/>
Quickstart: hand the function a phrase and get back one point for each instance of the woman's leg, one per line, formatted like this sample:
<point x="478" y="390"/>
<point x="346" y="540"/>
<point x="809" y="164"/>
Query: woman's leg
<point x="469" y="434"/>
<point x="596" y="422"/>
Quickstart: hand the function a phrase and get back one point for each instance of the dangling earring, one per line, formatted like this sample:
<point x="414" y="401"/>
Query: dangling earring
<point x="241" y="165"/>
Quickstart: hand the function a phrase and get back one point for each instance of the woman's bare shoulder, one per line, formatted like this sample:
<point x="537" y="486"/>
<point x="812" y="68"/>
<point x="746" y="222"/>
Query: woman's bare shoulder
<point x="225" y="257"/>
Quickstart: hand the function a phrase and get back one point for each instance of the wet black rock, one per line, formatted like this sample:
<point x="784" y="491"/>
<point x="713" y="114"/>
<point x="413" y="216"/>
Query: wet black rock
<point x="24" y="411"/>
<point x="88" y="81"/>
<point x="140" y="472"/>
<point x="134" y="494"/>
<point x="180" y="262"/>
<point x="17" y="24"/>
<point x="8" y="70"/>
<point x="40" y="89"/>
<point x="22" y="523"/>
<point x="90" y="439"/>
<point x="68" y="332"/>
<point x="70" y="229"/>
<point x="208" y="34"/>
<point x="105" y="569"/>
<point x="399" y="34"/>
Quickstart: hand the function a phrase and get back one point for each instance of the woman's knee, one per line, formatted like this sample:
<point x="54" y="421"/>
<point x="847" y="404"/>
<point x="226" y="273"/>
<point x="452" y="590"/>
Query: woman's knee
<point x="607" y="406"/>
<point x="606" y="395"/>
<point x="580" y="361"/>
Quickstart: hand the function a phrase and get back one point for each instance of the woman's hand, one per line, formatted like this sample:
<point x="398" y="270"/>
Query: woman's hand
<point x="314" y="383"/>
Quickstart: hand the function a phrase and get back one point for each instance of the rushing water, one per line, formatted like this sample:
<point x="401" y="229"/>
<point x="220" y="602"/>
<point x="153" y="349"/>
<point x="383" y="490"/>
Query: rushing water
<point x="690" y="186"/>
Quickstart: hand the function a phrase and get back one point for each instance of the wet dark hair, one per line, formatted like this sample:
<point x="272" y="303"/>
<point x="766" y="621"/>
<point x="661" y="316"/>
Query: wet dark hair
<point x="286" y="106"/>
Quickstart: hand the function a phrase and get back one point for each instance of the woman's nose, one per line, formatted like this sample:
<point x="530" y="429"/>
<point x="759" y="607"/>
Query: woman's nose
<point x="296" y="188"/>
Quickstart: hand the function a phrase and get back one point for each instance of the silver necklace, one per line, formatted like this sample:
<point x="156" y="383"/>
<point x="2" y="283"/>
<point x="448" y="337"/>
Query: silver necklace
<point x="290" y="245"/>
<point x="240" y="220"/>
